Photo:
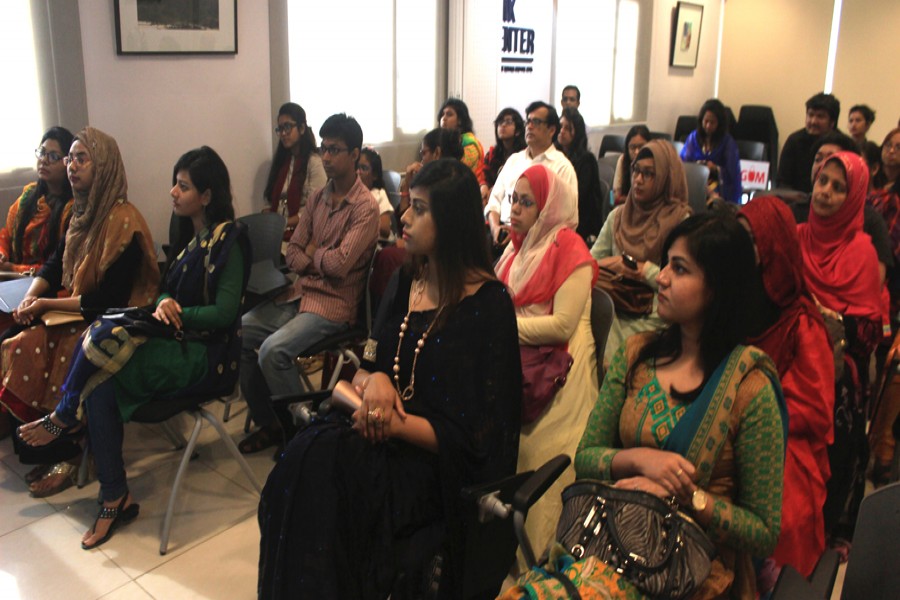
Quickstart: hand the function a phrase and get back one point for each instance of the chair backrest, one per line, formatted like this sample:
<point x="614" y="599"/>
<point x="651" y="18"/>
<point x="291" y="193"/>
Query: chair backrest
<point x="605" y="200"/>
<point x="872" y="571"/>
<point x="612" y="143"/>
<point x="697" y="175"/>
<point x="751" y="150"/>
<point x="660" y="135"/>
<point x="606" y="170"/>
<point x="602" y="312"/>
<point x="265" y="231"/>
<point x="757" y="123"/>
<point x="392" y="187"/>
<point x="684" y="126"/>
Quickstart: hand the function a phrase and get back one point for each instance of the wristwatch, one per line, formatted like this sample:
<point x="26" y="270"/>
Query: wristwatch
<point x="699" y="499"/>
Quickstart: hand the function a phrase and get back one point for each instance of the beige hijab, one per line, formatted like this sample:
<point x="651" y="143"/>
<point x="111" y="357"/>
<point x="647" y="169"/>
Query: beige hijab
<point x="641" y="228"/>
<point x="103" y="225"/>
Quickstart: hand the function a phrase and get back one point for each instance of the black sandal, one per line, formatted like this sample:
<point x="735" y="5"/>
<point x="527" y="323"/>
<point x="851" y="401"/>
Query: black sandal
<point x="60" y="434"/>
<point x="120" y="516"/>
<point x="262" y="438"/>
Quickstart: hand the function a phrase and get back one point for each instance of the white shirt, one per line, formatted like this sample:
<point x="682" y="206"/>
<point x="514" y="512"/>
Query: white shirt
<point x="501" y="195"/>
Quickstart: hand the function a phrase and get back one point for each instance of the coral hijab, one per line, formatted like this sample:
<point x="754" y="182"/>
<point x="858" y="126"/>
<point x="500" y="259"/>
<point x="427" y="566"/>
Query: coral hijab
<point x="536" y="264"/>
<point x="839" y="260"/>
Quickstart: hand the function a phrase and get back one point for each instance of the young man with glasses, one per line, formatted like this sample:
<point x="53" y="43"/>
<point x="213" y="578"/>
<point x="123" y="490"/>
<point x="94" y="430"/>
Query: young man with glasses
<point x="541" y="128"/>
<point x="330" y="252"/>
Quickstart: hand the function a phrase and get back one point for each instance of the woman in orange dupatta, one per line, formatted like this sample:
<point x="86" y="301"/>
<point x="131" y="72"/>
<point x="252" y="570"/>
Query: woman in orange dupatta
<point x="106" y="260"/>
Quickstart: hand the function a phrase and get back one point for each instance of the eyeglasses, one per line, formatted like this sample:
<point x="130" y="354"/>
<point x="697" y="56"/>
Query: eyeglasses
<point x="891" y="147"/>
<point x="79" y="159"/>
<point x="523" y="202"/>
<point x="506" y="121"/>
<point x="647" y="174"/>
<point x="51" y="157"/>
<point x="332" y="150"/>
<point x="534" y="121"/>
<point x="284" y="128"/>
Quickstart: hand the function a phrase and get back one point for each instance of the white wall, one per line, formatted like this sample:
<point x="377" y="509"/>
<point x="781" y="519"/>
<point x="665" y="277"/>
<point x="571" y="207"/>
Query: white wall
<point x="158" y="107"/>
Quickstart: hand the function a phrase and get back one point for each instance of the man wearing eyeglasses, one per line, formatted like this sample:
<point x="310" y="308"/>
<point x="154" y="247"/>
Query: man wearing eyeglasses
<point x="330" y="252"/>
<point x="541" y="128"/>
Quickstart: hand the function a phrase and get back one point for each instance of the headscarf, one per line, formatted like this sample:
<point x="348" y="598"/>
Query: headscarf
<point x="839" y="260"/>
<point x="536" y="264"/>
<point x="103" y="225"/>
<point x="642" y="227"/>
<point x="781" y="264"/>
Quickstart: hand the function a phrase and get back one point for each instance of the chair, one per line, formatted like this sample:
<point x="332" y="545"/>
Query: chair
<point x="265" y="231"/>
<point x="757" y="123"/>
<point x="750" y="150"/>
<point x="697" y="175"/>
<point x="606" y="169"/>
<point x="872" y="571"/>
<point x="160" y="411"/>
<point x="660" y="135"/>
<point x="684" y="126"/>
<point x="612" y="143"/>
<point x="392" y="187"/>
<point x="602" y="313"/>
<point x="606" y="203"/>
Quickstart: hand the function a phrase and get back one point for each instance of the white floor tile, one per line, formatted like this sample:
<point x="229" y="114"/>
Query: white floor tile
<point x="44" y="560"/>
<point x="17" y="507"/>
<point x="129" y="591"/>
<point x="235" y="554"/>
<point x="207" y="504"/>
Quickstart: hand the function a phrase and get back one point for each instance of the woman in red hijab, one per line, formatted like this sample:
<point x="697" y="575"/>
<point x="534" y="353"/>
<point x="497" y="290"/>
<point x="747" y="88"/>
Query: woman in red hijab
<point x="841" y="271"/>
<point x="796" y="339"/>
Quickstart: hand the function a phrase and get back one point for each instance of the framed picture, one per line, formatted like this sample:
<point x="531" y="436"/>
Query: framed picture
<point x="686" y="35"/>
<point x="176" y="26"/>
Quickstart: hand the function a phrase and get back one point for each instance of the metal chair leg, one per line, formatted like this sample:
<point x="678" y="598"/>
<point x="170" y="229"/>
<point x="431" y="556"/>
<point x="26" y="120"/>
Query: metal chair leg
<point x="232" y="448"/>
<point x="182" y="467"/>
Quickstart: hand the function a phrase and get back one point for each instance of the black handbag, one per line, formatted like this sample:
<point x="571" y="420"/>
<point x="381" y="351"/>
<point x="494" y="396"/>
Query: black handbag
<point x="140" y="321"/>
<point x="648" y="541"/>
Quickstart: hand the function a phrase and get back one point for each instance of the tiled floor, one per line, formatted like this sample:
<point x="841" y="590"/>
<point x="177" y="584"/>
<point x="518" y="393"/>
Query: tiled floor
<point x="213" y="546"/>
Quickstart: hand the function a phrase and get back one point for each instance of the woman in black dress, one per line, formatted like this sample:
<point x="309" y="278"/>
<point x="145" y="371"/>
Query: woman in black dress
<point x="349" y="503"/>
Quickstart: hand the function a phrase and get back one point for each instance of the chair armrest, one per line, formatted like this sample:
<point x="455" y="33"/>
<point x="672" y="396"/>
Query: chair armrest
<point x="825" y="573"/>
<point x="538" y="483"/>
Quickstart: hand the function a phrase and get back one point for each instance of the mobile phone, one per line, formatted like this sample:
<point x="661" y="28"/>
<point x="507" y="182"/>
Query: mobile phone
<point x="629" y="261"/>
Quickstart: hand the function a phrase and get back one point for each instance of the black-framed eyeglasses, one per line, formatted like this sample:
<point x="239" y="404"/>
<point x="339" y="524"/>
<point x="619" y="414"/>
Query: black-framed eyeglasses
<point x="647" y="173"/>
<point x="51" y="157"/>
<point x="284" y="128"/>
<point x="79" y="159"/>
<point x="332" y="150"/>
<point x="523" y="202"/>
<point x="505" y="121"/>
<point x="534" y="121"/>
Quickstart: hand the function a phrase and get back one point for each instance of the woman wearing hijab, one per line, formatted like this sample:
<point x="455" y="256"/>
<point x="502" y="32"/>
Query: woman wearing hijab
<point x="550" y="273"/>
<point x="841" y="271"/>
<point x="656" y="203"/>
<point x="795" y="337"/>
<point x="106" y="260"/>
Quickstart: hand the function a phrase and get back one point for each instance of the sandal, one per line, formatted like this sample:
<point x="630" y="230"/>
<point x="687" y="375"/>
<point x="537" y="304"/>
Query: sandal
<point x="120" y="516"/>
<point x="69" y="473"/>
<point x="262" y="438"/>
<point x="72" y="432"/>
<point x="37" y="473"/>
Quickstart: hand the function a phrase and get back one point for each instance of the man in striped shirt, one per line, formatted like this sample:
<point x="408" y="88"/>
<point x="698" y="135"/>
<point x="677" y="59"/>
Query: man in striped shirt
<point x="330" y="251"/>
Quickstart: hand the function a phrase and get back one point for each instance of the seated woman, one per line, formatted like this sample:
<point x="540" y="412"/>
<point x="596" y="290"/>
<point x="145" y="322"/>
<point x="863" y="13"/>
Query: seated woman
<point x="437" y="143"/>
<point x="572" y="141"/>
<point x="296" y="170"/>
<point x="635" y="139"/>
<point x="662" y="423"/>
<point x="114" y="373"/>
<point x="711" y="145"/>
<point x="841" y="271"/>
<point x="796" y="340"/>
<point x="509" y="131"/>
<point x="371" y="173"/>
<point x="39" y="218"/>
<point x="107" y="259"/>
<point x="441" y="392"/>
<point x="859" y="120"/>
<point x="454" y="114"/>
<point x="550" y="273"/>
<point x="657" y="202"/>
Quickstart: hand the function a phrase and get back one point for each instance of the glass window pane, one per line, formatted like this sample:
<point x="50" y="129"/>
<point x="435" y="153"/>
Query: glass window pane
<point x="20" y="119"/>
<point x="626" y="60"/>
<point x="416" y="64"/>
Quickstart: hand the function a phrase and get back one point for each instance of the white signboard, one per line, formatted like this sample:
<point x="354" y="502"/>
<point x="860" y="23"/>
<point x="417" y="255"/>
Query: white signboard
<point x="524" y="42"/>
<point x="754" y="174"/>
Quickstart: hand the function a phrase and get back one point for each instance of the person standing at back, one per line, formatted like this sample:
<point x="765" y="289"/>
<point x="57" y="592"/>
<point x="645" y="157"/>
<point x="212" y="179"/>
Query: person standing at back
<point x="330" y="251"/>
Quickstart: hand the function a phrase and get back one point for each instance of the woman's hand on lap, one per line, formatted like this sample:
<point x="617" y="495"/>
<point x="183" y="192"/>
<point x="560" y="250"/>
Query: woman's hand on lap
<point x="169" y="312"/>
<point x="30" y="308"/>
<point x="380" y="403"/>
<point x="667" y="469"/>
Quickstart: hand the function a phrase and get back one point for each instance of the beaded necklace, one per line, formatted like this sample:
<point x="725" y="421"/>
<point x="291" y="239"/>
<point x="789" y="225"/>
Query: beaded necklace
<point x="407" y="393"/>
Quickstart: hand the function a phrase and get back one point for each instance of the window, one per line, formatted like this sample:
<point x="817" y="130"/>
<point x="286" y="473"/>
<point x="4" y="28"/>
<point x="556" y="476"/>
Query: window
<point x="377" y="61"/>
<point x="603" y="47"/>
<point x="20" y="119"/>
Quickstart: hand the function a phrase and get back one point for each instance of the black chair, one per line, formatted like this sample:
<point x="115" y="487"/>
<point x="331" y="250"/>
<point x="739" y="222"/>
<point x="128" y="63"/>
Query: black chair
<point x="757" y="123"/>
<point x="612" y="143"/>
<point x="792" y="586"/>
<point x="684" y="126"/>
<point x="872" y="571"/>
<point x="697" y="176"/>
<point x="602" y="314"/>
<point x="660" y="135"/>
<point x="265" y="232"/>
<point x="750" y="150"/>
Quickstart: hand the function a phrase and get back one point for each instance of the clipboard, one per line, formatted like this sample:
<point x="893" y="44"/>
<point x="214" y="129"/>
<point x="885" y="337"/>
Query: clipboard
<point x="12" y="292"/>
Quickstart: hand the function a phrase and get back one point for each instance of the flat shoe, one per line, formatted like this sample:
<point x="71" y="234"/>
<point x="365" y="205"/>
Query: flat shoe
<point x="69" y="470"/>
<point x="120" y="517"/>
<point x="37" y="473"/>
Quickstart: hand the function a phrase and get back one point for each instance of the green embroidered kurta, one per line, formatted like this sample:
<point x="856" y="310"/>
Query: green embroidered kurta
<point x="746" y="481"/>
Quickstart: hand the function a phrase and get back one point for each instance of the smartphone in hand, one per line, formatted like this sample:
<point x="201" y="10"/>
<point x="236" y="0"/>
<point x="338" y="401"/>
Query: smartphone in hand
<point x="629" y="261"/>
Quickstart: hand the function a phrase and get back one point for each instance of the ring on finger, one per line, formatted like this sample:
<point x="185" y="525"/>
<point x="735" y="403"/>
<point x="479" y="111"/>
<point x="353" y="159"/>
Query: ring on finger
<point x="679" y="472"/>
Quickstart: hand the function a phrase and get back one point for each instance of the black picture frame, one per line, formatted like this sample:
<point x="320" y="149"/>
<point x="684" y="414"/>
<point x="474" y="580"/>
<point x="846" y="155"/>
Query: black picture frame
<point x="176" y="27"/>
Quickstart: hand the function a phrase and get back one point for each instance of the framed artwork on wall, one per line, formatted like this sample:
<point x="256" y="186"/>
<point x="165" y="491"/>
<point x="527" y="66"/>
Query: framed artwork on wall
<point x="176" y="26"/>
<point x="686" y="35"/>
